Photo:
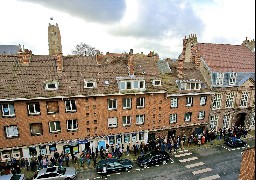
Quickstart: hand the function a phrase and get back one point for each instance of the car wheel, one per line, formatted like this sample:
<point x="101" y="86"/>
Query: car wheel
<point x="145" y="165"/>
<point x="68" y="179"/>
<point x="126" y="169"/>
<point x="164" y="162"/>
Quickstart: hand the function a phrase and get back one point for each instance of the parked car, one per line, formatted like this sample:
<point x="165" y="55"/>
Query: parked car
<point x="235" y="142"/>
<point x="56" y="173"/>
<point x="13" y="177"/>
<point x="153" y="158"/>
<point x="114" y="165"/>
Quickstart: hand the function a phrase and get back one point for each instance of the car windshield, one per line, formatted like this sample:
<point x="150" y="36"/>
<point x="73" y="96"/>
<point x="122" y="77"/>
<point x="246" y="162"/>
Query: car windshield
<point x="51" y="169"/>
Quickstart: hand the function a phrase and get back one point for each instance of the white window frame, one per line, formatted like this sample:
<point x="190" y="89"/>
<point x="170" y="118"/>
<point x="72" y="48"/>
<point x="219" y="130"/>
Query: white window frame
<point x="140" y="119"/>
<point x="127" y="103"/>
<point x="154" y="83"/>
<point x="230" y="98"/>
<point x="72" y="105"/>
<point x="140" y="102"/>
<point x="87" y="82"/>
<point x="214" y="122"/>
<point x="226" y="120"/>
<point x="203" y="100"/>
<point x="219" y="79"/>
<point x="232" y="78"/>
<point x="33" y="106"/>
<point x="134" y="85"/>
<point x="189" y="101"/>
<point x="127" y="138"/>
<point x="174" y="102"/>
<point x="55" y="130"/>
<point x="112" y="104"/>
<point x="244" y="99"/>
<point x="201" y="115"/>
<point x="73" y="123"/>
<point x="173" y="118"/>
<point x="189" y="117"/>
<point x="127" y="120"/>
<point x="9" y="109"/>
<point x="112" y="122"/>
<point x="183" y="86"/>
<point x="11" y="131"/>
<point x="48" y="84"/>
<point x="216" y="103"/>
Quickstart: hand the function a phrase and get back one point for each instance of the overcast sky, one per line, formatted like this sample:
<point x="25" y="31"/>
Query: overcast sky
<point x="121" y="25"/>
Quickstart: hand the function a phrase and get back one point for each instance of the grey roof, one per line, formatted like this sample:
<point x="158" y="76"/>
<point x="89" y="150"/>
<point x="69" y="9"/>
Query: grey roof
<point x="164" y="67"/>
<point x="9" y="49"/>
<point x="245" y="78"/>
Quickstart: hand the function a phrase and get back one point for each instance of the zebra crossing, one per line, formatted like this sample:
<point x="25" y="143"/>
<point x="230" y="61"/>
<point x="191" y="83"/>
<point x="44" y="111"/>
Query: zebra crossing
<point x="197" y="168"/>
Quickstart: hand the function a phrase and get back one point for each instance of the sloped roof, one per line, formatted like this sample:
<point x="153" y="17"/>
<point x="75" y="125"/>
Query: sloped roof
<point x="9" y="49"/>
<point x="227" y="58"/>
<point x="27" y="81"/>
<point x="247" y="169"/>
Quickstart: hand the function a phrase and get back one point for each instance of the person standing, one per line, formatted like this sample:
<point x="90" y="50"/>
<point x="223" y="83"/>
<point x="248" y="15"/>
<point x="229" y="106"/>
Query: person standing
<point x="27" y="163"/>
<point x="67" y="160"/>
<point x="128" y="149"/>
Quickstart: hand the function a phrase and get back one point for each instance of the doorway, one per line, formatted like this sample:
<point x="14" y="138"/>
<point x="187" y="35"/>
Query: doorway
<point x="240" y="119"/>
<point x="171" y="134"/>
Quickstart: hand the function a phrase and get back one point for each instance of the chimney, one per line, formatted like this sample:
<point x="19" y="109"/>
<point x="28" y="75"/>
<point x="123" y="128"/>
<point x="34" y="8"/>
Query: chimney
<point x="130" y="65"/>
<point x="59" y="63"/>
<point x="24" y="56"/>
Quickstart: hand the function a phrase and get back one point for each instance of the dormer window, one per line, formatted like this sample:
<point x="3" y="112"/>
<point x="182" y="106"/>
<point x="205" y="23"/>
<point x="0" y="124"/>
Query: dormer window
<point x="132" y="85"/>
<point x="190" y="86"/>
<point x="232" y="78"/>
<point x="51" y="86"/>
<point x="219" y="79"/>
<point x="89" y="84"/>
<point x="156" y="82"/>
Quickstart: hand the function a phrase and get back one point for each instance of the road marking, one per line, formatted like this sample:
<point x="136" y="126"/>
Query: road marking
<point x="201" y="171"/>
<point x="188" y="159"/>
<point x="194" y="165"/>
<point x="137" y="169"/>
<point x="211" y="177"/>
<point x="185" y="154"/>
<point x="157" y="165"/>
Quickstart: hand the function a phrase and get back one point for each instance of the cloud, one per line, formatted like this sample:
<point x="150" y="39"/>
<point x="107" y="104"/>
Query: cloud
<point x="155" y="19"/>
<point x="103" y="11"/>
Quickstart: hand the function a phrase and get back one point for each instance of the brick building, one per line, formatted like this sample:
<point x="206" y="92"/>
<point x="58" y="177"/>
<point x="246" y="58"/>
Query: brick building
<point x="229" y="70"/>
<point x="67" y="103"/>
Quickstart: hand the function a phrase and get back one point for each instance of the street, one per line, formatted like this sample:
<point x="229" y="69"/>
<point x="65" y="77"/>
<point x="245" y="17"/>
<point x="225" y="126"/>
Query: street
<point x="216" y="162"/>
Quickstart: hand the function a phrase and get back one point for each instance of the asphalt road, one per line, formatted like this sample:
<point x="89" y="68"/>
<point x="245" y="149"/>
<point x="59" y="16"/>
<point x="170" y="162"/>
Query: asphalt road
<point x="217" y="162"/>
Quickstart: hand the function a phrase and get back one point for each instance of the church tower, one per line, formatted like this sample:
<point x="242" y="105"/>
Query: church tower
<point x="54" y="40"/>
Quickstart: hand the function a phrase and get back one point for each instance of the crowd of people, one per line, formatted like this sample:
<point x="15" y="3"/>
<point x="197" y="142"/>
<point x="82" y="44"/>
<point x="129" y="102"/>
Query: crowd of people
<point x="170" y="144"/>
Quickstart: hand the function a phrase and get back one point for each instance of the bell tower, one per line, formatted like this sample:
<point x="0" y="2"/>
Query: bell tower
<point x="54" y="40"/>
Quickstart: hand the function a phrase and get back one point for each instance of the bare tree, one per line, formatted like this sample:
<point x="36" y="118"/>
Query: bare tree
<point x="84" y="50"/>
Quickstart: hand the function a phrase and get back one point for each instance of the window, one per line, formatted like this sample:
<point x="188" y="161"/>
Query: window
<point x="219" y="79"/>
<point x="112" y="104"/>
<point x="230" y="97"/>
<point x="174" y="102"/>
<point x="244" y="99"/>
<point x="132" y="85"/>
<point x="201" y="115"/>
<point x="89" y="84"/>
<point x="189" y="101"/>
<point x="70" y="105"/>
<point x="36" y="129"/>
<point x="232" y="78"/>
<point x="141" y="136"/>
<point x="187" y="116"/>
<point x="226" y="121"/>
<point x="203" y="100"/>
<point x="182" y="86"/>
<point x="126" y="120"/>
<point x="140" y="102"/>
<point x="112" y="122"/>
<point x="156" y="82"/>
<point x="190" y="86"/>
<point x="72" y="125"/>
<point x="52" y="107"/>
<point x="214" y="121"/>
<point x="216" y="104"/>
<point x="33" y="108"/>
<point x="11" y="131"/>
<point x="173" y="118"/>
<point x="95" y="122"/>
<point x="126" y="138"/>
<point x="51" y="86"/>
<point x="127" y="103"/>
<point x="54" y="126"/>
<point x="140" y="119"/>
<point x="8" y="110"/>
<point x="134" y="137"/>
